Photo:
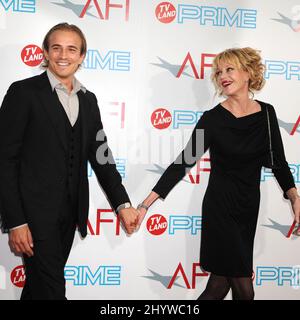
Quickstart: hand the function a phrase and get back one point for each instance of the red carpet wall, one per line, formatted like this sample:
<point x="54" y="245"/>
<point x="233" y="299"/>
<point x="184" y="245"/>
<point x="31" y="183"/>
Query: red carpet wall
<point x="149" y="63"/>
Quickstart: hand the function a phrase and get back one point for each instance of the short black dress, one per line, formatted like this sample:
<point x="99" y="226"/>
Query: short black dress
<point x="238" y="147"/>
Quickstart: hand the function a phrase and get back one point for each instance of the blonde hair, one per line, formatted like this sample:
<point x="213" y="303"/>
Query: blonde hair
<point x="246" y="59"/>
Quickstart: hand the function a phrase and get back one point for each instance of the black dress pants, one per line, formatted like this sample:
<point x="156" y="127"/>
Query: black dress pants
<point x="45" y="269"/>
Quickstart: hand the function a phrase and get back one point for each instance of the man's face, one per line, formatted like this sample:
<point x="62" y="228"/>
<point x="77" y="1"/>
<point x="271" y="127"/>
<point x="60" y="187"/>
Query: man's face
<point x="64" y="55"/>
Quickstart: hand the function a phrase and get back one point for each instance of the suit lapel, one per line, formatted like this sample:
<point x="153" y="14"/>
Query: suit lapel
<point x="84" y="120"/>
<point x="50" y="101"/>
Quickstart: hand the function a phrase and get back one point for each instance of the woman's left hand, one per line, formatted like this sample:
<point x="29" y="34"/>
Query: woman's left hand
<point x="296" y="208"/>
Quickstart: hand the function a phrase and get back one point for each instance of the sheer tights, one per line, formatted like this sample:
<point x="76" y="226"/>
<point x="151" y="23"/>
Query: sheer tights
<point x="218" y="286"/>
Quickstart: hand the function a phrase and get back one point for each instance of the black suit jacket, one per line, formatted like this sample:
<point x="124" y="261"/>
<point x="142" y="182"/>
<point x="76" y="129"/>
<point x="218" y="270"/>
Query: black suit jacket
<point x="33" y="157"/>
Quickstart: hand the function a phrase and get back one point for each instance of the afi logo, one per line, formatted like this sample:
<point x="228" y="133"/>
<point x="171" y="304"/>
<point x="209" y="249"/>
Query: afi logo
<point x="101" y="218"/>
<point x="293" y="23"/>
<point x="189" y="284"/>
<point x="203" y="64"/>
<point x="32" y="55"/>
<point x="104" y="14"/>
<point x="201" y="166"/>
<point x="18" y="276"/>
<point x="188" y="63"/>
<point x="117" y="111"/>
<point x="296" y="126"/>
<point x="165" y="12"/>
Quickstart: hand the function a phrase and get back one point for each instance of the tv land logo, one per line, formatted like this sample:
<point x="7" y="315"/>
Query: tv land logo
<point x="101" y="8"/>
<point x="18" y="276"/>
<point x="24" y="6"/>
<point x="157" y="224"/>
<point x="112" y="60"/>
<point x="162" y="118"/>
<point x="172" y="280"/>
<point x="294" y="22"/>
<point x="206" y="15"/>
<point x="165" y="12"/>
<point x="32" y="55"/>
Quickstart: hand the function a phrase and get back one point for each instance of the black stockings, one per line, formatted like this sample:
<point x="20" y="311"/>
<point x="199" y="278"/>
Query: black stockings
<point x="218" y="286"/>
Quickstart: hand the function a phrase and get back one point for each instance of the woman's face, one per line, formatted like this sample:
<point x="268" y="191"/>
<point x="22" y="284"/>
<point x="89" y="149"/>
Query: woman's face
<point x="231" y="80"/>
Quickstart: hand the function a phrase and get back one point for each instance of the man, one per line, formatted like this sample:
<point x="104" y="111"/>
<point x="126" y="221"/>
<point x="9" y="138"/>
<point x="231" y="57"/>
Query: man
<point x="48" y="129"/>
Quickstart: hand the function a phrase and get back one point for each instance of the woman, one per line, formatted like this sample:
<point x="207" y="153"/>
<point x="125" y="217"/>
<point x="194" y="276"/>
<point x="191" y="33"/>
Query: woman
<point x="237" y="134"/>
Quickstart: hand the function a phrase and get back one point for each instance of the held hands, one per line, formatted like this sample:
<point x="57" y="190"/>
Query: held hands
<point x="20" y="240"/>
<point x="129" y="219"/>
<point x="132" y="218"/>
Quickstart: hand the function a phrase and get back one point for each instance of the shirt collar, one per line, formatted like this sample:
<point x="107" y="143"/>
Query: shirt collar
<point x="56" y="84"/>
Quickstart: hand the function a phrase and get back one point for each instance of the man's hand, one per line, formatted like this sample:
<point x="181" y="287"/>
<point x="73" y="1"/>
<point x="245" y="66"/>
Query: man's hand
<point x="20" y="240"/>
<point x="128" y="217"/>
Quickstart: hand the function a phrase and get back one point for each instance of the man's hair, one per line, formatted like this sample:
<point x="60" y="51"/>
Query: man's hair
<point x="64" y="26"/>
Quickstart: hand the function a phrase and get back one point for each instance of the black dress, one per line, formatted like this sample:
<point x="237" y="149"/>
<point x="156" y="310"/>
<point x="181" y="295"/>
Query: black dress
<point x="238" y="147"/>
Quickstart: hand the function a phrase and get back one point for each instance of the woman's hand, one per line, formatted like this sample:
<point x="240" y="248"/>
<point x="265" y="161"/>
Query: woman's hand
<point x="142" y="214"/>
<point x="143" y="207"/>
<point x="296" y="209"/>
